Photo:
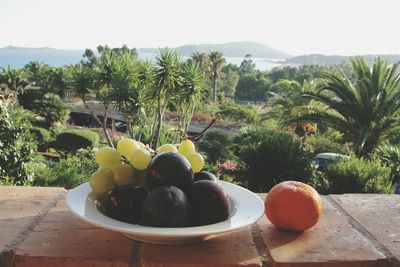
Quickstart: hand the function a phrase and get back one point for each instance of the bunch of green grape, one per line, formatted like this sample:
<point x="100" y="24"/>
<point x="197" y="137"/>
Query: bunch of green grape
<point x="128" y="163"/>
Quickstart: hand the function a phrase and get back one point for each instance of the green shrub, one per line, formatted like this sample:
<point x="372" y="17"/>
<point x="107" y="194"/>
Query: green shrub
<point x="72" y="140"/>
<point x="48" y="106"/>
<point x="17" y="148"/>
<point x="390" y="156"/>
<point x="358" y="175"/>
<point x="271" y="157"/>
<point x="67" y="173"/>
<point x="216" y="145"/>
<point x="52" y="109"/>
<point x="316" y="144"/>
<point x="41" y="135"/>
<point x="28" y="97"/>
<point x="240" y="113"/>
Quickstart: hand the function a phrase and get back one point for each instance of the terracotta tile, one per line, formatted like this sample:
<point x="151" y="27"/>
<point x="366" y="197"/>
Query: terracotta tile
<point x="233" y="249"/>
<point x="332" y="242"/>
<point x="379" y="215"/>
<point x="61" y="239"/>
<point x="20" y="210"/>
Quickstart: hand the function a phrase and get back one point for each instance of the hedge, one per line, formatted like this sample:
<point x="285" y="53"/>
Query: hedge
<point x="74" y="139"/>
<point x="42" y="136"/>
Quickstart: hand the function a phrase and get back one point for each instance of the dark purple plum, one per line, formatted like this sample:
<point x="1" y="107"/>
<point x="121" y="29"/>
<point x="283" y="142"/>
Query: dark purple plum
<point x="166" y="206"/>
<point x="170" y="168"/>
<point x="124" y="203"/>
<point x="209" y="202"/>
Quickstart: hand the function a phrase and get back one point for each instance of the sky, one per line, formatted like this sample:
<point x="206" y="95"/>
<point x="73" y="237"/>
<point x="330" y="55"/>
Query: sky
<point x="297" y="27"/>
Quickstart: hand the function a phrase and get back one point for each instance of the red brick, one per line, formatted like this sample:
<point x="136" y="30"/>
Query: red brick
<point x="332" y="242"/>
<point x="61" y="239"/>
<point x="20" y="208"/>
<point x="233" y="249"/>
<point x="379" y="215"/>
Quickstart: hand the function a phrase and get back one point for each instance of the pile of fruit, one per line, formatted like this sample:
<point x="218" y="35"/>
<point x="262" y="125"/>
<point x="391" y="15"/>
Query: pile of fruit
<point x="162" y="188"/>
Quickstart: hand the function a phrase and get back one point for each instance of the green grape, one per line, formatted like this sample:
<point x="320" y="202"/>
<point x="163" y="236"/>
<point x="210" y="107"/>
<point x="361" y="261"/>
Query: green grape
<point x="107" y="157"/>
<point x="141" y="145"/>
<point x="186" y="147"/>
<point x="126" y="146"/>
<point x="101" y="181"/>
<point x="123" y="174"/>
<point x="166" y="148"/>
<point x="140" y="158"/>
<point x="196" y="160"/>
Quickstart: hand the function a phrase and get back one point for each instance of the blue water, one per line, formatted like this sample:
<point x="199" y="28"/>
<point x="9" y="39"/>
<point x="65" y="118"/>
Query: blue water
<point x="18" y="58"/>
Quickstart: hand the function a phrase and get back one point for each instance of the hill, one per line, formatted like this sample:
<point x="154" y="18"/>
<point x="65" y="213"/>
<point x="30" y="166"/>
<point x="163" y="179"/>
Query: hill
<point x="231" y="49"/>
<point x="318" y="59"/>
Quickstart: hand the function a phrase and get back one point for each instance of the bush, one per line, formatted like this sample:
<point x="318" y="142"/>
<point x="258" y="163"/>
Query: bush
<point x="72" y="140"/>
<point x="17" y="148"/>
<point x="28" y="97"/>
<point x="240" y="113"/>
<point x="41" y="135"/>
<point x="316" y="144"/>
<point x="216" y="145"/>
<point x="48" y="106"/>
<point x="271" y="157"/>
<point x="358" y="175"/>
<point x="67" y="173"/>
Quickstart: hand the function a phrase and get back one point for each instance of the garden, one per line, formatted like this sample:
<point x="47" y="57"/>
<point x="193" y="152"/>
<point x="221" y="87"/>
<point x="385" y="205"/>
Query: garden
<point x="259" y="128"/>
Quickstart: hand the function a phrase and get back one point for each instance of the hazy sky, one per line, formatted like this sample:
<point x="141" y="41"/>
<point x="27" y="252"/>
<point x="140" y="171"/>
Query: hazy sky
<point x="297" y="27"/>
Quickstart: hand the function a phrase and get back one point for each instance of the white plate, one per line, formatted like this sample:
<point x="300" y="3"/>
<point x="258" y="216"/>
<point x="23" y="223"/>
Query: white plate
<point x="247" y="208"/>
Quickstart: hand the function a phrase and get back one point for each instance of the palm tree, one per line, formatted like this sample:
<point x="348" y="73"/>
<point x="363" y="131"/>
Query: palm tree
<point x="193" y="84"/>
<point x="35" y="71"/>
<point x="287" y="103"/>
<point x="168" y="79"/>
<point x="201" y="60"/>
<point x="58" y="81"/>
<point x="216" y="61"/>
<point x="83" y="82"/>
<point x="366" y="110"/>
<point x="13" y="78"/>
<point x="129" y="88"/>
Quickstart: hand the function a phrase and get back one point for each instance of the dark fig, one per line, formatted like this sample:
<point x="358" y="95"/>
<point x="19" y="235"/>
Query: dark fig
<point x="209" y="202"/>
<point x="205" y="175"/>
<point x="166" y="206"/>
<point x="124" y="203"/>
<point x="170" y="168"/>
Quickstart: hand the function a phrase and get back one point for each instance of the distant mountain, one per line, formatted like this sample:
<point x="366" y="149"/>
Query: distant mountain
<point x="231" y="49"/>
<point x="19" y="56"/>
<point x="318" y="59"/>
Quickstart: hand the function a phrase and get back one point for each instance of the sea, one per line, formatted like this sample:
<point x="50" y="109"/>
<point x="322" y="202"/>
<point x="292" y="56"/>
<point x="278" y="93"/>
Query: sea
<point x="17" y="58"/>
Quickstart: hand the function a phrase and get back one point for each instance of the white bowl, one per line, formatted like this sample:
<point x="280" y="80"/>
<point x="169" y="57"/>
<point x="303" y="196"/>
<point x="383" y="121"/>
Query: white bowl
<point x="247" y="208"/>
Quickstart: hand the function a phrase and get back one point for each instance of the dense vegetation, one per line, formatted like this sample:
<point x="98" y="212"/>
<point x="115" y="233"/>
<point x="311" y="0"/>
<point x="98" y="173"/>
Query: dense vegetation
<point x="273" y="122"/>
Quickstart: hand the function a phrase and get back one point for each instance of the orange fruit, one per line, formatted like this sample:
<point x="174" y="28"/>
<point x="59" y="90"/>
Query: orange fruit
<point x="293" y="206"/>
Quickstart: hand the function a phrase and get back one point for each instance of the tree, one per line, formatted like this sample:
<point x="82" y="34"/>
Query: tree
<point x="201" y="60"/>
<point x="129" y="91"/>
<point x="366" y="111"/>
<point x="228" y="82"/>
<point x="17" y="148"/>
<point x="247" y="65"/>
<point x="168" y="79"/>
<point x="216" y="61"/>
<point x="192" y="85"/>
<point x="287" y="103"/>
<point x="58" y="81"/>
<point x="13" y="78"/>
<point x="36" y="72"/>
<point x="84" y="81"/>
<point x="52" y="109"/>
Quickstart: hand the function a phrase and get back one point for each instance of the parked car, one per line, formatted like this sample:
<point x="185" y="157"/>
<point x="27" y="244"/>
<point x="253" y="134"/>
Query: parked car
<point x="323" y="159"/>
